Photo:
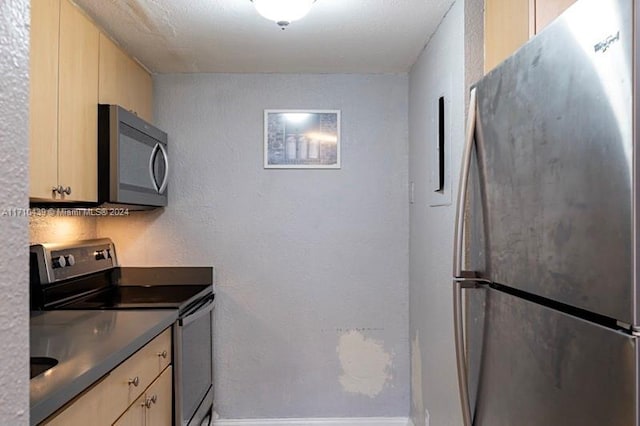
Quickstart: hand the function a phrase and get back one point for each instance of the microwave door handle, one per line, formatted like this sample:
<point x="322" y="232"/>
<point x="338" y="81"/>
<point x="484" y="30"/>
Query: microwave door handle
<point x="165" y="180"/>
<point x="152" y="175"/>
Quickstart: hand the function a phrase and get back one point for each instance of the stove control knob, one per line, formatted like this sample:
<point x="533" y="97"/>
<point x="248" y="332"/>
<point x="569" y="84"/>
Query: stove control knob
<point x="59" y="262"/>
<point x="109" y="254"/>
<point x="100" y="255"/>
<point x="70" y="260"/>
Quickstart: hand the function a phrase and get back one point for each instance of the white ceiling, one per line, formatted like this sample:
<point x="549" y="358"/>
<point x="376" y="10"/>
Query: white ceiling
<point x="350" y="36"/>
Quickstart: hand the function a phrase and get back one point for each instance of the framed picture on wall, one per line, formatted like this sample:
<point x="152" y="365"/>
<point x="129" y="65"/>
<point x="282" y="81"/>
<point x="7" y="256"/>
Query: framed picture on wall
<point x="301" y="139"/>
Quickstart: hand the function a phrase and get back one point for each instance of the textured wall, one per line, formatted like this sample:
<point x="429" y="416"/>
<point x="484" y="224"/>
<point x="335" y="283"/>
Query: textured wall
<point x="473" y="43"/>
<point x="438" y="71"/>
<point x="57" y="229"/>
<point x="14" y="278"/>
<point x="312" y="314"/>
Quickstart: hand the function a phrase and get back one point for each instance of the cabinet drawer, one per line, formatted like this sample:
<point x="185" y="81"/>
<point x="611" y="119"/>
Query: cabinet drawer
<point x="154" y="407"/>
<point x="142" y="368"/>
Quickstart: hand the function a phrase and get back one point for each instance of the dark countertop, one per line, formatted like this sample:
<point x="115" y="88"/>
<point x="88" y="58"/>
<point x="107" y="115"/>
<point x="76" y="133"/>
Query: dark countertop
<point x="87" y="344"/>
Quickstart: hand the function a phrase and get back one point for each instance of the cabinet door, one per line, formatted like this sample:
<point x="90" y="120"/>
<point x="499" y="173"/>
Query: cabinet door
<point x="141" y="90"/>
<point x="78" y="104"/>
<point x="123" y="81"/>
<point x="85" y="406"/>
<point x="548" y="10"/>
<point x="113" y="73"/>
<point x="43" y="99"/>
<point x="160" y="411"/>
<point x="507" y="26"/>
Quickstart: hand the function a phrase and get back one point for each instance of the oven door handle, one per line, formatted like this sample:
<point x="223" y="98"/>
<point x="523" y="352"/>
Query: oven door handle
<point x="199" y="313"/>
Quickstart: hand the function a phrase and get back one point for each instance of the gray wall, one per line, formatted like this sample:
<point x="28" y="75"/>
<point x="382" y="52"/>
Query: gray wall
<point x="312" y="314"/>
<point x="14" y="278"/>
<point x="438" y="71"/>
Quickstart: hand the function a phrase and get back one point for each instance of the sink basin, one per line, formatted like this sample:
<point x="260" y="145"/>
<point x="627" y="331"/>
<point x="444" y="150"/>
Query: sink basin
<point x="41" y="364"/>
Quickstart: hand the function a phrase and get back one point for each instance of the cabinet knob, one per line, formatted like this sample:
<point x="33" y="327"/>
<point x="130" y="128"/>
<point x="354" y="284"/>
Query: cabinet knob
<point x="150" y="400"/>
<point x="135" y="381"/>
<point x="61" y="190"/>
<point x="164" y="354"/>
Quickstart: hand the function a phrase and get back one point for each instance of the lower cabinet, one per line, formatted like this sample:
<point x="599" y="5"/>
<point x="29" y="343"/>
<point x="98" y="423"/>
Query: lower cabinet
<point x="137" y="392"/>
<point x="153" y="408"/>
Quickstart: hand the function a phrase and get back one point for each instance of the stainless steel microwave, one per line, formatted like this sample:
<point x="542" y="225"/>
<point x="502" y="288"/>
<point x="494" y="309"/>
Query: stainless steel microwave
<point x="133" y="160"/>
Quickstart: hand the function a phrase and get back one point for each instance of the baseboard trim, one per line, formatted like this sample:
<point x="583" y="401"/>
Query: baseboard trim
<point x="331" y="421"/>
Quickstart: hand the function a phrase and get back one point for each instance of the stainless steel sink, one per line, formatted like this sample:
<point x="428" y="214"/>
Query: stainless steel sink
<point x="41" y="364"/>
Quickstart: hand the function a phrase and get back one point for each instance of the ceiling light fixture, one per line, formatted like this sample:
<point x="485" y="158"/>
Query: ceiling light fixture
<point x="283" y="12"/>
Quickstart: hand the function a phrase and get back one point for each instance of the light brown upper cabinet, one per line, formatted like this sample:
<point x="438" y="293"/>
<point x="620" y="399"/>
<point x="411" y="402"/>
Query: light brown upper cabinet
<point x="43" y="98"/>
<point x="548" y="10"/>
<point x="508" y="24"/>
<point x="63" y="100"/>
<point x="123" y="81"/>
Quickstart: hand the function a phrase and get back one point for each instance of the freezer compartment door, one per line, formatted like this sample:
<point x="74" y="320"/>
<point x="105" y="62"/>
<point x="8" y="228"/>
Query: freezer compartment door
<point x="532" y="366"/>
<point x="555" y="156"/>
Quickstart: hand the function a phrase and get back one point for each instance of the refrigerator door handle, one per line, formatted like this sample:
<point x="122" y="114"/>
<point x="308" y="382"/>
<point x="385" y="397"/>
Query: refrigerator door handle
<point x="462" y="188"/>
<point x="461" y="361"/>
<point x="461" y="279"/>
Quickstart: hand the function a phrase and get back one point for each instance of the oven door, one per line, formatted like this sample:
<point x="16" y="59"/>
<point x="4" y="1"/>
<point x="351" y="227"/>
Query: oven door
<point x="194" y="364"/>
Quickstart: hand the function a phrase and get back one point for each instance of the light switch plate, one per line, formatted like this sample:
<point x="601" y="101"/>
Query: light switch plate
<point x="412" y="192"/>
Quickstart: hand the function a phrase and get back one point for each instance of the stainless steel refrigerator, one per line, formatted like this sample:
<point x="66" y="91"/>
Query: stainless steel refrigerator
<point x="546" y="270"/>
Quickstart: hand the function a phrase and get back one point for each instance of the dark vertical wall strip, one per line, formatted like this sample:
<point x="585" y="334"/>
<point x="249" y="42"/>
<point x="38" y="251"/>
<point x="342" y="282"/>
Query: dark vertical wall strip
<point x="441" y="139"/>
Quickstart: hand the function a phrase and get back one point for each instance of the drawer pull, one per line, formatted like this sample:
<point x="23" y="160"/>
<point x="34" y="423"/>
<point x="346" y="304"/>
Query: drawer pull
<point x="135" y="381"/>
<point x="164" y="354"/>
<point x="151" y="400"/>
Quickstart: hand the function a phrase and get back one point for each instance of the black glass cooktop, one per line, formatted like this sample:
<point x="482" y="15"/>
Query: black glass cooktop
<point x="135" y="297"/>
<point x="180" y="288"/>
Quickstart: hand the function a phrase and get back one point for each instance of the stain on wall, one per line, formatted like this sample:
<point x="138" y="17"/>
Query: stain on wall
<point x="417" y="402"/>
<point x="366" y="367"/>
<point x="14" y="275"/>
